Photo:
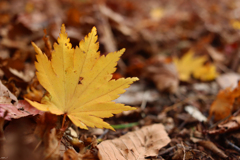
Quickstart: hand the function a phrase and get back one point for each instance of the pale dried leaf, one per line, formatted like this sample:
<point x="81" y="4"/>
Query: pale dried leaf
<point x="6" y="97"/>
<point x="135" y="94"/>
<point x="195" y="113"/>
<point x="26" y="76"/>
<point x="228" y="80"/>
<point x="216" y="55"/>
<point x="135" y="145"/>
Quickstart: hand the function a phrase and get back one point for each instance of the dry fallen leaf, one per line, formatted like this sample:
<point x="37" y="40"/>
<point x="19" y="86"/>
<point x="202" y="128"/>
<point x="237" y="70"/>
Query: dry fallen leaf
<point x="70" y="154"/>
<point x="217" y="56"/>
<point x="19" y="109"/>
<point x="163" y="74"/>
<point x="135" y="145"/>
<point x="189" y="65"/>
<point x="228" y="80"/>
<point x="33" y="93"/>
<point x="79" y="82"/>
<point x="183" y="152"/>
<point x="51" y="145"/>
<point x="223" y="104"/>
<point x="197" y="137"/>
<point x="25" y="76"/>
<point x="230" y="125"/>
<point x="212" y="147"/>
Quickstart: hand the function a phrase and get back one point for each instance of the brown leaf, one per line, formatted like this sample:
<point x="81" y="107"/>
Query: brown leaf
<point x="45" y="123"/>
<point x="51" y="145"/>
<point x="183" y="152"/>
<point x="48" y="45"/>
<point x="163" y="74"/>
<point x="83" y="154"/>
<point x="211" y="146"/>
<point x="135" y="145"/>
<point x="33" y="91"/>
<point x="20" y="140"/>
<point x="89" y="154"/>
<point x="70" y="154"/>
<point x="232" y="124"/>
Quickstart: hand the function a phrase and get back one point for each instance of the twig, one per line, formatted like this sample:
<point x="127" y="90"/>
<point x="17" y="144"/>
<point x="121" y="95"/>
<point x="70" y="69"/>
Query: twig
<point x="217" y="123"/>
<point x="166" y="151"/>
<point x="184" y="151"/>
<point x="37" y="145"/>
<point x="104" y="133"/>
<point x="232" y="145"/>
<point x="143" y="105"/>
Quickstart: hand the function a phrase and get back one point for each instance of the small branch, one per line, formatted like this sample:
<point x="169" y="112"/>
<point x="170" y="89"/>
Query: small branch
<point x="184" y="151"/>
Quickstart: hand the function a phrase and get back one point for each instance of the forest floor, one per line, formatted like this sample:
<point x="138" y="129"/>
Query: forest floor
<point x="185" y="54"/>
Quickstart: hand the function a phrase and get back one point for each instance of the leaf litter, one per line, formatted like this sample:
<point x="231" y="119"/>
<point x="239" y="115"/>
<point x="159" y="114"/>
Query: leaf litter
<point x="156" y="35"/>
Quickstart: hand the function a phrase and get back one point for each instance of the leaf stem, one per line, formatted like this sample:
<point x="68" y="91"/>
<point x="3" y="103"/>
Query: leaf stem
<point x="64" y="118"/>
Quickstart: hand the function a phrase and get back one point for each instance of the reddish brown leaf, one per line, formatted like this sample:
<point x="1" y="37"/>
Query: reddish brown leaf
<point x="21" y="109"/>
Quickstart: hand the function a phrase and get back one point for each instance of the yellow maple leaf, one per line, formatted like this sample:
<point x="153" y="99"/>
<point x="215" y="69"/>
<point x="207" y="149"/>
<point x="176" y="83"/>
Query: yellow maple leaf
<point x="157" y="13"/>
<point x="205" y="73"/>
<point x="235" y="24"/>
<point x="79" y="82"/>
<point x="189" y="65"/>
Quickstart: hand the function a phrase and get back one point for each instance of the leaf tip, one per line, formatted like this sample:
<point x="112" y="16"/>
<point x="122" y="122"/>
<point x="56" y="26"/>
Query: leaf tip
<point x="63" y="34"/>
<point x="123" y="50"/>
<point x="33" y="43"/>
<point x="111" y="128"/>
<point x="135" y="78"/>
<point x="94" y="32"/>
<point x="36" y="48"/>
<point x="63" y="29"/>
<point x="94" y="29"/>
